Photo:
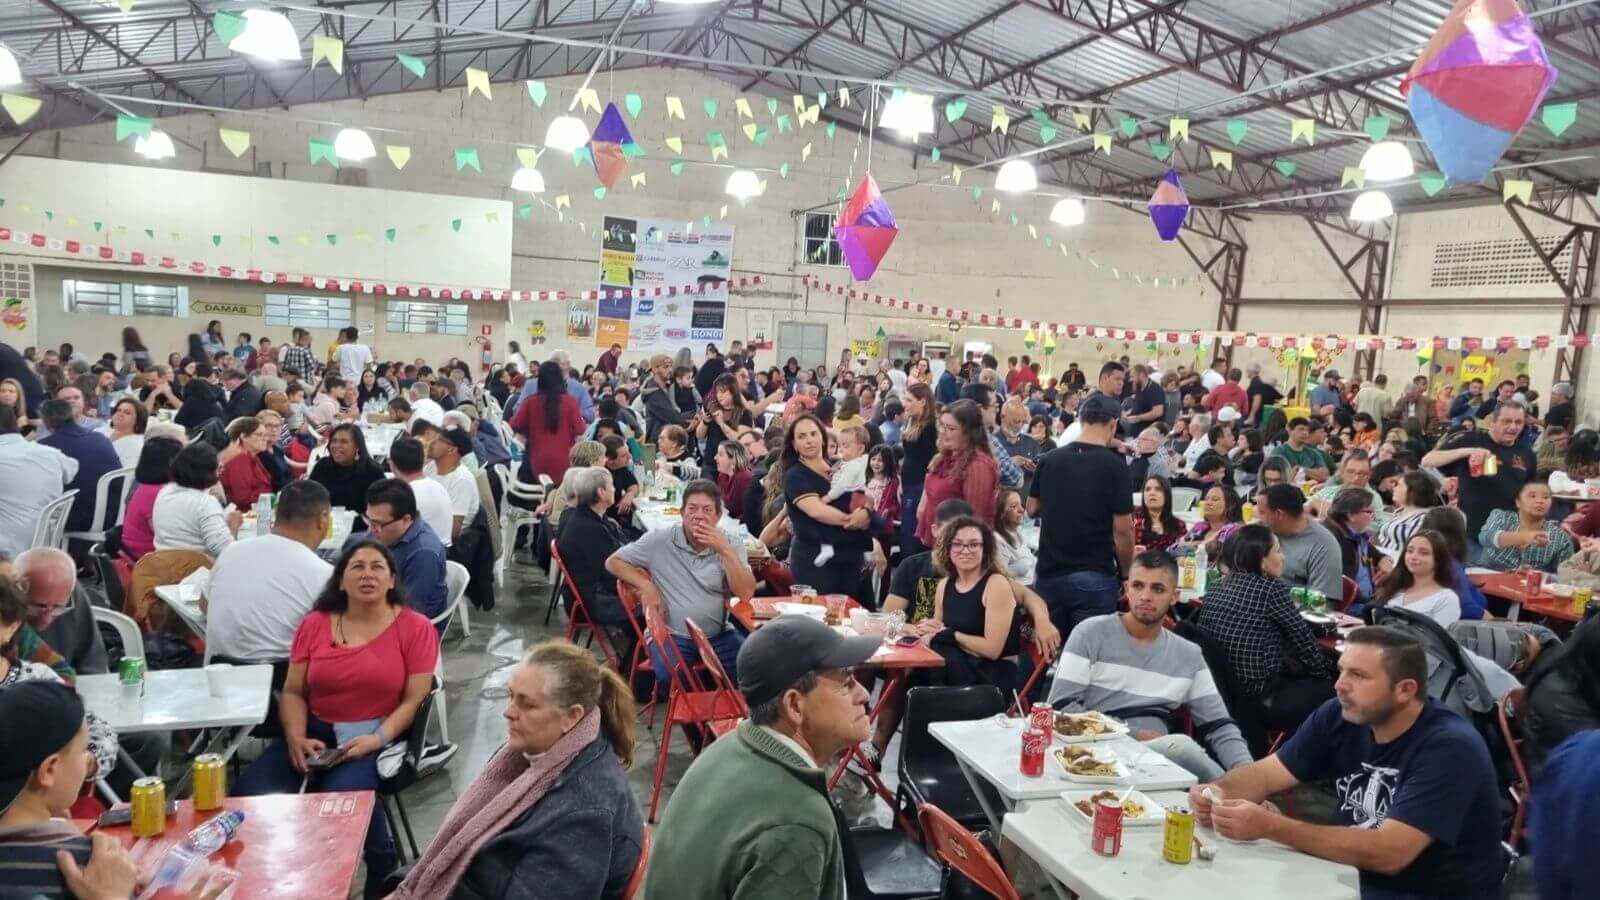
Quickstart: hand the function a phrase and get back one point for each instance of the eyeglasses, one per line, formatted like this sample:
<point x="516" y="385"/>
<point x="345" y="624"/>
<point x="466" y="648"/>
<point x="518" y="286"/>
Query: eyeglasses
<point x="379" y="524"/>
<point x="45" y="610"/>
<point x="966" y="546"/>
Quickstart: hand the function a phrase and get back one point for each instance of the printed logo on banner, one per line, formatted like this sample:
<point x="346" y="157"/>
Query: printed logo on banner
<point x="708" y="321"/>
<point x="644" y="307"/>
<point x="615" y="308"/>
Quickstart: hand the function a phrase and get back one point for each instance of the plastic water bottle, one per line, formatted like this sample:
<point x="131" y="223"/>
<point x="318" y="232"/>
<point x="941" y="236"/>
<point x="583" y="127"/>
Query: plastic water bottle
<point x="193" y="852"/>
<point x="1200" y="566"/>
<point x="263" y="514"/>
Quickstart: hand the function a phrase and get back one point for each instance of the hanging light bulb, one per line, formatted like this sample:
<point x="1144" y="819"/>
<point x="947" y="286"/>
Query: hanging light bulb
<point x="155" y="145"/>
<point x="529" y="181"/>
<point x="354" y="144"/>
<point x="1068" y="212"/>
<point x="268" y="35"/>
<point x="10" y="72"/>
<point x="1016" y="176"/>
<point x="743" y="184"/>
<point x="1387" y="161"/>
<point x="1371" y="206"/>
<point x="908" y="113"/>
<point x="566" y="133"/>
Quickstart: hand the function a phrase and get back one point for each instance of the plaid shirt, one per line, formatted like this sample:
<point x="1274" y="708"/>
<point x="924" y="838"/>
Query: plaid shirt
<point x="1512" y="558"/>
<point x="1256" y="623"/>
<point x="1010" y="473"/>
<point x="301" y="360"/>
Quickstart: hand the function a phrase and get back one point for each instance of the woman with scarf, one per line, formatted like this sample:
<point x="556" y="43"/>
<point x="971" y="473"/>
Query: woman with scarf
<point x="552" y="807"/>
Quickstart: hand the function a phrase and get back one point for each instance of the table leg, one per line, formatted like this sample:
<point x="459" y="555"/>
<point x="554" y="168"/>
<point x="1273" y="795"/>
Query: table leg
<point x="1514" y="611"/>
<point x="240" y="735"/>
<point x="975" y="782"/>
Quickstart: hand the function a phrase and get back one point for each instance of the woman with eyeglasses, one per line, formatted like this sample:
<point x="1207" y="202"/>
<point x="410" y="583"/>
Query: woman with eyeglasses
<point x="974" y="624"/>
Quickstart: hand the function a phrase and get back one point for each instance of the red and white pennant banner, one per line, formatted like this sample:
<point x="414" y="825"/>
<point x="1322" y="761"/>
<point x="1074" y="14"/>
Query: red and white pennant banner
<point x="107" y="253"/>
<point x="1335" y="342"/>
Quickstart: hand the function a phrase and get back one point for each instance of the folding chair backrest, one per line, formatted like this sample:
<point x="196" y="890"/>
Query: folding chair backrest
<point x="127" y="629"/>
<point x="51" y="529"/>
<point x="957" y="848"/>
<point x="719" y="676"/>
<point x="633" y="605"/>
<point x="636" y="880"/>
<point x="1511" y="706"/>
<point x="678" y="671"/>
<point x="1038" y="663"/>
<point x="1349" y="591"/>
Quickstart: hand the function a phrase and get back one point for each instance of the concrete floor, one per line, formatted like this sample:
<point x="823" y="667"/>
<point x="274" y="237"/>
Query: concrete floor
<point x="476" y="669"/>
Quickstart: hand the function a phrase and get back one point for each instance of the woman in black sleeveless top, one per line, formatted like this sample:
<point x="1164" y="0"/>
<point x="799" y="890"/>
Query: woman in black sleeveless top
<point x="975" y="625"/>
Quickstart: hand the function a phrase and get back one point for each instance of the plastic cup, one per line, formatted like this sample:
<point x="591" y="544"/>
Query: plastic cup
<point x="804" y="593"/>
<point x="216" y="678"/>
<point x="838" y="607"/>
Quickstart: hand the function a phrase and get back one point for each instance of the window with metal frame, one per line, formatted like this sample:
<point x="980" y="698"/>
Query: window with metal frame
<point x="419" y="317"/>
<point x="301" y="311"/>
<point x="113" y="298"/>
<point x="821" y="248"/>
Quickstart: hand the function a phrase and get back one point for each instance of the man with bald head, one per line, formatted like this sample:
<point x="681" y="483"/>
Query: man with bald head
<point x="58" y="612"/>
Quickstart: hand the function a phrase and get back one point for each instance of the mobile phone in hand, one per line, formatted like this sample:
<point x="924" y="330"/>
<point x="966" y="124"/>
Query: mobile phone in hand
<point x="324" y="759"/>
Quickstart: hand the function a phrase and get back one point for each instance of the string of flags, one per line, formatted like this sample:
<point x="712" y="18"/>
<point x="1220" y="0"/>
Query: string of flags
<point x="108" y="253"/>
<point x="1334" y="342"/>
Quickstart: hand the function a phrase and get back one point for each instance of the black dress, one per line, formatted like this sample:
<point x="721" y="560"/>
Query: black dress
<point x="843" y="573"/>
<point x="964" y="614"/>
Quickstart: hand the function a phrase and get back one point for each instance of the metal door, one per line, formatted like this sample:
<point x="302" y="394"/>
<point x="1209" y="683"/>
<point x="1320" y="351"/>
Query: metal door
<point x="805" y="341"/>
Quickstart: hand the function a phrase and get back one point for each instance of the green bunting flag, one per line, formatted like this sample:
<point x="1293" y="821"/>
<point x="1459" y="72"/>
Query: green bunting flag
<point x="272" y="239"/>
<point x="711" y="107"/>
<point x="468" y="156"/>
<point x="412" y="64"/>
<point x="1376" y="127"/>
<point x="632" y="149"/>
<point x="934" y="154"/>
<point x="320" y="149"/>
<point x="1128" y="125"/>
<point x="1285" y="167"/>
<point x="772" y="106"/>
<point x="537" y="92"/>
<point x="1237" y="129"/>
<point x="677" y="168"/>
<point x="1047" y="133"/>
<point x="1161" y="150"/>
<point x="333" y="239"/>
<point x="832" y="128"/>
<point x="1558" y="117"/>
<point x="634" y="104"/>
<point x="389" y="233"/>
<point x="228" y="26"/>
<point x="525" y="210"/>
<point x="1432" y="182"/>
<point x="216" y="240"/>
<point x="133" y="125"/>
<point x="954" y="110"/>
<point x="455" y="224"/>
<point x="600" y="192"/>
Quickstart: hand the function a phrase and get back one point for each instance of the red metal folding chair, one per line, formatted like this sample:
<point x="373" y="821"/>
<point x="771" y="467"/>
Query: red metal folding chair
<point x="1040" y="663"/>
<point x="957" y="848"/>
<point x="689" y="703"/>
<point x="1350" y="590"/>
<point x="636" y="880"/>
<point x="713" y="667"/>
<point x="633" y="605"/>
<point x="578" y="619"/>
<point x="1521" y="787"/>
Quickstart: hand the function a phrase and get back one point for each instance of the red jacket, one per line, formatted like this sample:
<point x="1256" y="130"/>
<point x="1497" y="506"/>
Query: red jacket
<point x="244" y="479"/>
<point x="1226" y="393"/>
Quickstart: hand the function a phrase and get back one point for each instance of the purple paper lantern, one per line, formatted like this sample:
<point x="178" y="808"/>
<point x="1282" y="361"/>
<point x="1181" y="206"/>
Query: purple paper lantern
<point x="1169" y="206"/>
<point x="865" y="229"/>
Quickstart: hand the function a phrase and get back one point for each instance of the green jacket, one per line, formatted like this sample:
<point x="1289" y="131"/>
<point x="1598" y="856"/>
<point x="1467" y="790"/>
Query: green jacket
<point x="749" y="820"/>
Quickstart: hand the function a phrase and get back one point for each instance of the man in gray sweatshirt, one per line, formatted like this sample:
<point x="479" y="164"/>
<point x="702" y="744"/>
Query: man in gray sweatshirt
<point x="1128" y="666"/>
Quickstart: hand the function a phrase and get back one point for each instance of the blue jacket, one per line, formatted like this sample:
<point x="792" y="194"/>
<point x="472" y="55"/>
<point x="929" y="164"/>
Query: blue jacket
<point x="1564" y="819"/>
<point x="95" y="457"/>
<point x="948" y="390"/>
<point x="487" y="445"/>
<point x="1472" y="600"/>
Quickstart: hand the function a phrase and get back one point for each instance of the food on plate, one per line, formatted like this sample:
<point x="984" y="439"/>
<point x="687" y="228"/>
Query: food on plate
<point x="1086" y="724"/>
<point x="671" y="511"/>
<point x="1131" y="808"/>
<point x="1070" y="753"/>
<point x="1081" y="762"/>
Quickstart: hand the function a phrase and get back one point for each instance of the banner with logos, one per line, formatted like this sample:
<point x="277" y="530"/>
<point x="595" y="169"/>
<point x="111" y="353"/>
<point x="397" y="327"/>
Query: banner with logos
<point x="645" y="254"/>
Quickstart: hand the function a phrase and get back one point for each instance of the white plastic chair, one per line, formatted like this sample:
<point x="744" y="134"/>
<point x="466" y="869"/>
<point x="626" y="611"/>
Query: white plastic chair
<point x="127" y="629"/>
<point x="1184" y="498"/>
<point x="514" y="518"/>
<point x="456" y="577"/>
<point x="102" y="497"/>
<point x="51" y="529"/>
<point x="1138" y="498"/>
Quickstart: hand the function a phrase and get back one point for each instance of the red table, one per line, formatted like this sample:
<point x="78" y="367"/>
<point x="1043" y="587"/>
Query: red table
<point x="289" y="845"/>
<point x="1508" y="586"/>
<point x="895" y="661"/>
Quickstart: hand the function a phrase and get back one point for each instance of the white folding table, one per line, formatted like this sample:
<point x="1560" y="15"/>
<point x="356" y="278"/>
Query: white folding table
<point x="1057" y="838"/>
<point x="185" y="601"/>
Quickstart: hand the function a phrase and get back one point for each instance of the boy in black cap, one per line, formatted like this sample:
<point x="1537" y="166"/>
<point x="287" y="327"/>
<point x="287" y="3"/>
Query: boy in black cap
<point x="751" y="817"/>
<point x="43" y="768"/>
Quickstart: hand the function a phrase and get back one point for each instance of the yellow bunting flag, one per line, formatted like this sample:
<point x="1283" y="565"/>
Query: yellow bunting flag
<point x="675" y="144"/>
<point x="398" y="155"/>
<point x="528" y="156"/>
<point x="719" y="151"/>
<point x="723" y="212"/>
<point x="638" y="179"/>
<point x="363" y="235"/>
<point x="491" y="217"/>
<point x="303" y="240"/>
<point x="1515" y="189"/>
<point x="20" y="108"/>
<point x="1033" y="232"/>
<point x="1222" y="159"/>
<point x="1353" y="175"/>
<point x="478" y="80"/>
<point x="805" y="153"/>
<point x="844" y="96"/>
<point x="236" y="141"/>
<point x="750" y="129"/>
<point x="125" y="5"/>
<point x="799" y="103"/>
<point x="810" y="115"/>
<point x="674" y="107"/>
<point x="589" y="100"/>
<point x="1306" y="128"/>
<point x="324" y="47"/>
<point x="955" y="174"/>
<point x="1178" y="128"/>
<point x="563" y="201"/>
<point x="994" y="206"/>
<point x="742" y="107"/>
<point x="1082" y="120"/>
<point x="1000" y="120"/>
<point x="1102" y="142"/>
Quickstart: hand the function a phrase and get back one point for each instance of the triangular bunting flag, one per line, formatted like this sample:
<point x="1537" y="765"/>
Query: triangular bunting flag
<point x="21" y="108"/>
<point x="1000" y="119"/>
<point x="412" y="64"/>
<point x="1432" y="182"/>
<point x="844" y="96"/>
<point x="327" y="47"/>
<point x="132" y="125"/>
<point x="810" y="116"/>
<point x="528" y="156"/>
<point x="1082" y="120"/>
<point x="1047" y="133"/>
<point x="455" y="225"/>
<point x="783" y="171"/>
<point x="677" y="168"/>
<point x="1161" y="150"/>
<point x="537" y="92"/>
<point x="467" y="156"/>
<point x="637" y="179"/>
<point x="1517" y="189"/>
<point x="1303" y="128"/>
<point x="741" y="107"/>
<point x="1376" y="127"/>
<point x="589" y="100"/>
<point x="955" y="174"/>
<point x="599" y="192"/>
<point x="1558" y="117"/>
<point x="228" y="26"/>
<point x="675" y="144"/>
<point x="398" y="155"/>
<point x="236" y="141"/>
<point x="1128" y="125"/>
<point x="1178" y="129"/>
<point x="674" y="108"/>
<point x="1237" y="129"/>
<point x="954" y="110"/>
<point x="1222" y="159"/>
<point x="750" y="130"/>
<point x="1355" y="175"/>
<point x="634" y="104"/>
<point x="322" y="149"/>
<point x="478" y="80"/>
<point x="525" y="210"/>
<point x="805" y="153"/>
<point x="784" y="124"/>
<point x="1285" y="167"/>
<point x="1102" y="142"/>
<point x="711" y="107"/>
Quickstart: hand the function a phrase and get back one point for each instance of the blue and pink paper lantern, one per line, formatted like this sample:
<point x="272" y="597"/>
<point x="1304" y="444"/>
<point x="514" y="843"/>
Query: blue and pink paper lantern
<point x="1169" y="206"/>
<point x="1476" y="84"/>
<point x="606" y="146"/>
<point x="865" y="229"/>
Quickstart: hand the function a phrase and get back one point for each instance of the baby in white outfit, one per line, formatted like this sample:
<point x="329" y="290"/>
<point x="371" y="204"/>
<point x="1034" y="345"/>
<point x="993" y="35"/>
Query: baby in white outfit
<point x="849" y="477"/>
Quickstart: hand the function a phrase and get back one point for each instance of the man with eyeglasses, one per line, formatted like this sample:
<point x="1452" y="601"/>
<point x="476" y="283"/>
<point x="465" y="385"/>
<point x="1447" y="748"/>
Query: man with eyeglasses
<point x="60" y="624"/>
<point x="751" y="817"/>
<point x="419" y="556"/>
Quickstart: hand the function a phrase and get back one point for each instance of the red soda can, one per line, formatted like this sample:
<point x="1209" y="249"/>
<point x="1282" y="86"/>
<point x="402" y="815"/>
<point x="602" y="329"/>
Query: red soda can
<point x="1533" y="582"/>
<point x="1107" y="840"/>
<point x="1042" y="717"/>
<point x="1474" y="466"/>
<point x="1034" y="744"/>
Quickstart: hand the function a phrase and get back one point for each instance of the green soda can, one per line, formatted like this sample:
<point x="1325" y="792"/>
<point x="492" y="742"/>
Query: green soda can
<point x="130" y="674"/>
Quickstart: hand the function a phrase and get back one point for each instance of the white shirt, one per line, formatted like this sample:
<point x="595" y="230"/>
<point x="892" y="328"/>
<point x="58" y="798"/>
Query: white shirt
<point x="128" y="448"/>
<point x="188" y="519"/>
<point x="516" y="359"/>
<point x="463" y="490"/>
<point x="1211" y="380"/>
<point x="353" y="360"/>
<point x="434" y="506"/>
<point x="1016" y="561"/>
<point x="32" y="475"/>
<point x="259" y="591"/>
<point x="1442" y="606"/>
<point x="426" y="410"/>
<point x="1191" y="454"/>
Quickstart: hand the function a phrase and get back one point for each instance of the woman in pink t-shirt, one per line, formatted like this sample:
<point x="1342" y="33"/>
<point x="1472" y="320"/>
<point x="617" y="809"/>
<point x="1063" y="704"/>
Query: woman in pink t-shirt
<point x="361" y="664"/>
<point x="149" y="476"/>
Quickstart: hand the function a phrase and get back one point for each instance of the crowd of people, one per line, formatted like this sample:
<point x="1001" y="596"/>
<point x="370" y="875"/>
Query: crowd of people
<point x="1020" y="523"/>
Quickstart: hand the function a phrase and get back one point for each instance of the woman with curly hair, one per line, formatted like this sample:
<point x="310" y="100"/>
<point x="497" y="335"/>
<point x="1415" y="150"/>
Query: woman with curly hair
<point x="963" y="468"/>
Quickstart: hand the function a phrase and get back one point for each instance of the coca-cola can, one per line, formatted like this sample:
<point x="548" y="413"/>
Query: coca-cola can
<point x="1034" y="744"/>
<point x="1533" y="582"/>
<point x="1107" y="840"/>
<point x="1042" y="717"/>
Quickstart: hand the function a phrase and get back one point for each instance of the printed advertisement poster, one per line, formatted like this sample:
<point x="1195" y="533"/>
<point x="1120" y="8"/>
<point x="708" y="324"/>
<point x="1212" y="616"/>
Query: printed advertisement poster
<point x="758" y="322"/>
<point x="649" y="253"/>
<point x="580" y="318"/>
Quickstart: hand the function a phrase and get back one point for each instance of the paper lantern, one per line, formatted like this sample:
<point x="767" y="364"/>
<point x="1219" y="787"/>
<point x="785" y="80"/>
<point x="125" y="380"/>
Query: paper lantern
<point x="1476" y="84"/>
<point x="605" y="146"/>
<point x="1169" y="206"/>
<point x="865" y="229"/>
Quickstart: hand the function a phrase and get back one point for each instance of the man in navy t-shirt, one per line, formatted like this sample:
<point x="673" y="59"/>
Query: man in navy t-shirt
<point x="1418" y="813"/>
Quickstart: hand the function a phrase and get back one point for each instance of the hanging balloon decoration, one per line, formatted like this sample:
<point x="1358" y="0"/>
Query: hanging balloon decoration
<point x="1169" y="206"/>
<point x="1475" y="84"/>
<point x="865" y="229"/>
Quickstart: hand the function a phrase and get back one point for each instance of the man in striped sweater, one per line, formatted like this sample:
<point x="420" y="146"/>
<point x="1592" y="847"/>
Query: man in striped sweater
<point x="1128" y="666"/>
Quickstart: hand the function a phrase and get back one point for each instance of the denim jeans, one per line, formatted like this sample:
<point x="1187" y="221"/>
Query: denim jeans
<point x="726" y="644"/>
<point x="1183" y="751"/>
<point x="1076" y="596"/>
<point x="910" y="500"/>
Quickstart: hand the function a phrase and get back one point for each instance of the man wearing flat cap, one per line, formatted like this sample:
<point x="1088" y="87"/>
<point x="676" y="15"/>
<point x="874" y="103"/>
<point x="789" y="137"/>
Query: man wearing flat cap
<point x="751" y="817"/>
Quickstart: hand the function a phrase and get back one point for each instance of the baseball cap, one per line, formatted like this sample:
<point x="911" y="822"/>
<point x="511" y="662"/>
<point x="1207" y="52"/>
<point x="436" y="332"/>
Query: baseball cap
<point x="787" y="648"/>
<point x="1331" y="373"/>
<point x="1098" y="404"/>
<point x="461" y="440"/>
<point x="469" y="410"/>
<point x="53" y="713"/>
